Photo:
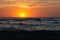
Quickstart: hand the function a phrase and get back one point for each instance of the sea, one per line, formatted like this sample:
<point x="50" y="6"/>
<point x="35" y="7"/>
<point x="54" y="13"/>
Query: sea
<point x="30" y="24"/>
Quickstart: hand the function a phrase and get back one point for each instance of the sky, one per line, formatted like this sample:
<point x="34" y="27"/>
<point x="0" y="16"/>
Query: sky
<point x="31" y="8"/>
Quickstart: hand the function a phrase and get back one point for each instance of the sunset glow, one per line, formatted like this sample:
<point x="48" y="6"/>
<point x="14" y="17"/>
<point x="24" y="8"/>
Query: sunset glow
<point x="23" y="6"/>
<point x="22" y="15"/>
<point x="29" y="8"/>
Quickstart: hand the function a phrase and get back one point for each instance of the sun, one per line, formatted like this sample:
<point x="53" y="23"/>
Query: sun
<point x="22" y="14"/>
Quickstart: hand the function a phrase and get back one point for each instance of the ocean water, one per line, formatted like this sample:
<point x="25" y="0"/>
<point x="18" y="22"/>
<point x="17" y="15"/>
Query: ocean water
<point x="30" y="24"/>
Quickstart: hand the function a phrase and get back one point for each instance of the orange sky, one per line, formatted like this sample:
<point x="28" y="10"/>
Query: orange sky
<point x="35" y="12"/>
<point x="14" y="8"/>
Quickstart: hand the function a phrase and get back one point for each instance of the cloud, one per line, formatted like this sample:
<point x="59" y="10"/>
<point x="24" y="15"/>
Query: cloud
<point x="53" y="1"/>
<point x="30" y="3"/>
<point x="6" y="0"/>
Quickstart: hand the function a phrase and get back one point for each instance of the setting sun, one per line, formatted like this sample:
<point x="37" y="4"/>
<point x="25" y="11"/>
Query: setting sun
<point x="22" y="14"/>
